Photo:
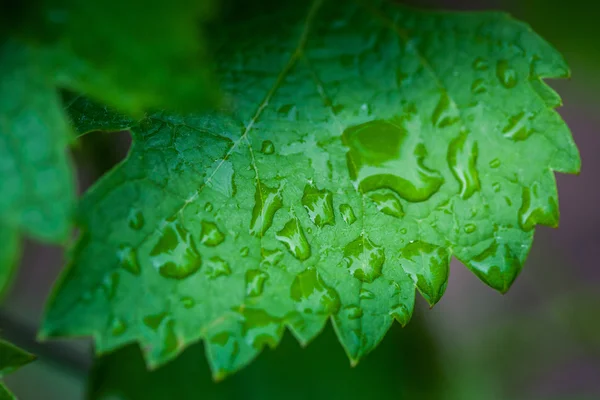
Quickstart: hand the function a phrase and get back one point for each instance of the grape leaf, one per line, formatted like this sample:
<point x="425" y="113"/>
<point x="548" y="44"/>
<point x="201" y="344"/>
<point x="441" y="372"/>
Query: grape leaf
<point x="365" y="147"/>
<point x="11" y="359"/>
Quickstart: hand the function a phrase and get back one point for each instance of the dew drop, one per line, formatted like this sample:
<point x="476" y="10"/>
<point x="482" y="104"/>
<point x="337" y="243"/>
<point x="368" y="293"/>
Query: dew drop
<point x="537" y="208"/>
<point x="188" y="302"/>
<point x="387" y="203"/>
<point x="170" y="341"/>
<point x="208" y="207"/>
<point x="271" y="257"/>
<point x="255" y="282"/>
<point x="428" y="266"/>
<point x="175" y="255"/>
<point x="211" y="235"/>
<point x="365" y="294"/>
<point x="462" y="159"/>
<point x="403" y="231"/>
<point x="136" y="220"/>
<point x="496" y="186"/>
<point x="216" y="267"/>
<point x="506" y="75"/>
<point x="497" y="266"/>
<point x="401" y="313"/>
<point x="154" y="321"/>
<point x="384" y="155"/>
<point x="353" y="312"/>
<point x="110" y="285"/>
<point x="244" y="251"/>
<point x="495" y="163"/>
<point x="129" y="260"/>
<point x="260" y="328"/>
<point x="518" y="128"/>
<point x="118" y="327"/>
<point x="364" y="259"/>
<point x="267" y="147"/>
<point x="292" y="236"/>
<point x="480" y="64"/>
<point x="312" y="295"/>
<point x="470" y="228"/>
<point x="478" y="86"/>
<point x="319" y="205"/>
<point x="445" y="113"/>
<point x="347" y="214"/>
<point x="267" y="201"/>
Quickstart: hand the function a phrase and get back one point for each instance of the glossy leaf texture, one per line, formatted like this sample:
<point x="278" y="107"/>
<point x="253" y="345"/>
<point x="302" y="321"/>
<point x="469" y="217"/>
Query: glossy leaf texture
<point x="365" y="147"/>
<point x="11" y="359"/>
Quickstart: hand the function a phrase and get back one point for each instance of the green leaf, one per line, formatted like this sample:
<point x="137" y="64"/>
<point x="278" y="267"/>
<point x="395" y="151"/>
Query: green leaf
<point x="406" y="367"/>
<point x="36" y="189"/>
<point x="364" y="149"/>
<point x="11" y="359"/>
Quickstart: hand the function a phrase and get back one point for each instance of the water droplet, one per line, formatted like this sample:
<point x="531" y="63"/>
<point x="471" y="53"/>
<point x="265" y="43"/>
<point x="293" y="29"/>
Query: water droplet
<point x="353" y="312"/>
<point x="170" y="341"/>
<point x="267" y="201"/>
<point x="260" y="328"/>
<point x="312" y="295"/>
<point x="506" y="75"/>
<point x="211" y="235"/>
<point x="271" y="257"/>
<point x="462" y="159"/>
<point x="175" y="254"/>
<point x="244" y="251"/>
<point x="255" y="282"/>
<point x="497" y="266"/>
<point x="480" y="64"/>
<point x="110" y="284"/>
<point x="401" y="313"/>
<point x="216" y="267"/>
<point x="428" y="266"/>
<point x="136" y="220"/>
<point x="154" y="321"/>
<point x="384" y="155"/>
<point x="364" y="259"/>
<point x="208" y="207"/>
<point x="495" y="163"/>
<point x="292" y="236"/>
<point x="387" y="203"/>
<point x="478" y="86"/>
<point x="445" y="113"/>
<point x="347" y="214"/>
<point x="188" y="302"/>
<point x="537" y="207"/>
<point x="496" y="186"/>
<point x="118" y="327"/>
<point x="470" y="228"/>
<point x="364" y="294"/>
<point x="403" y="231"/>
<point x="222" y="179"/>
<point x="129" y="260"/>
<point x="290" y="111"/>
<point x="319" y="205"/>
<point x="518" y="127"/>
<point x="267" y="147"/>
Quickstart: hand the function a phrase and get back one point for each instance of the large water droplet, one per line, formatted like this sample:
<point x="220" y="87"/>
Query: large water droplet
<point x="260" y="328"/>
<point x="506" y="74"/>
<point x="208" y="207"/>
<point x="244" y="251"/>
<point x="401" y="313"/>
<point x="312" y="295"/>
<point x="292" y="236"/>
<point x="537" y="207"/>
<point x="518" y="127"/>
<point x="216" y="266"/>
<point x="319" y="205"/>
<point x="497" y="266"/>
<point x="365" y="294"/>
<point x="478" y="86"/>
<point x="462" y="159"/>
<point x="255" y="282"/>
<point x="353" y="312"/>
<point x="267" y="147"/>
<point x="175" y="254"/>
<point x="110" y="284"/>
<point x="136" y="220"/>
<point x="364" y="259"/>
<point x="154" y="321"/>
<point x="267" y="201"/>
<point x="211" y="235"/>
<point x="480" y="64"/>
<point x="445" y="113"/>
<point x="384" y="155"/>
<point x="188" y="302"/>
<point x="117" y="327"/>
<point x="495" y="163"/>
<point x="470" y="228"/>
<point x="271" y="257"/>
<point x="347" y="214"/>
<point x="387" y="203"/>
<point x="129" y="260"/>
<point x="170" y="340"/>
<point x="428" y="266"/>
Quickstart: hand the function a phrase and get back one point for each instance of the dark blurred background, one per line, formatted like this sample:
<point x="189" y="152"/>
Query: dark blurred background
<point x="539" y="341"/>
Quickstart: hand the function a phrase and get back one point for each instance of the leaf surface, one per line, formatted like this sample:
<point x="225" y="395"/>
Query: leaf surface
<point x="365" y="148"/>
